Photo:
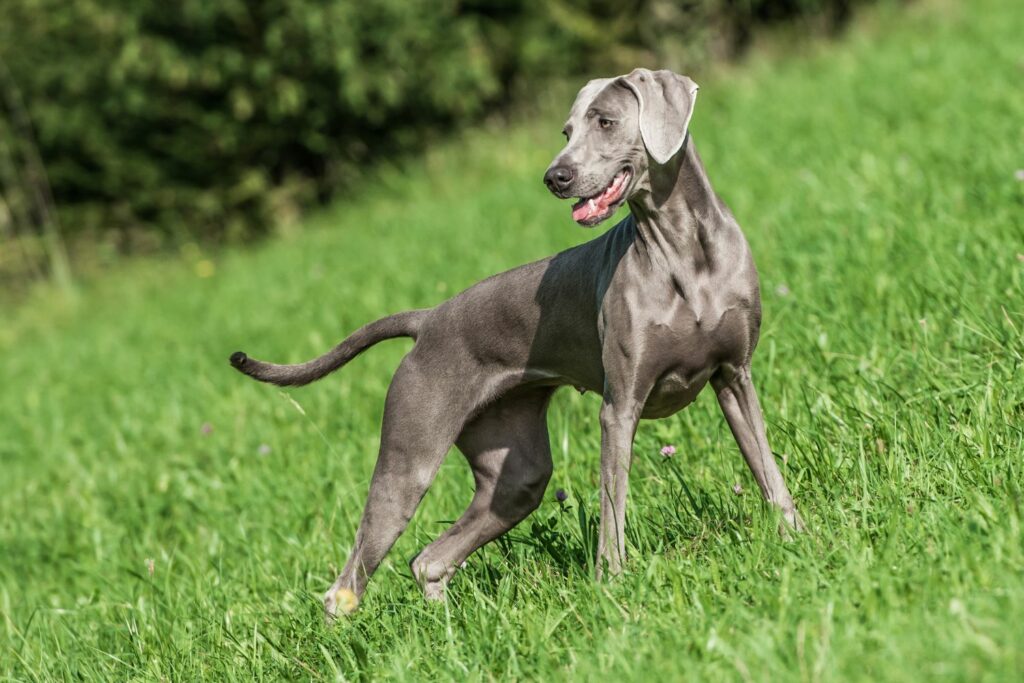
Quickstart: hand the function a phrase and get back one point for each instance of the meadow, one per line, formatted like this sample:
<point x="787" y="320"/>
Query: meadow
<point x="163" y="518"/>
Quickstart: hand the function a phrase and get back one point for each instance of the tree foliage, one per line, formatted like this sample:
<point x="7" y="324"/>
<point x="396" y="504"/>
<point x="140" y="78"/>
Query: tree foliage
<point x="193" y="117"/>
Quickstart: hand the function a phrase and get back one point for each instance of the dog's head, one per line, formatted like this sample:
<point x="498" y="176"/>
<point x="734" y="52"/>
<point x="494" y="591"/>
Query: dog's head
<point x="617" y="130"/>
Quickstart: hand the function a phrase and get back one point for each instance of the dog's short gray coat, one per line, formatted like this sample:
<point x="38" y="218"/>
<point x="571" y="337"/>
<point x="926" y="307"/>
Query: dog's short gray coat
<point x="646" y="315"/>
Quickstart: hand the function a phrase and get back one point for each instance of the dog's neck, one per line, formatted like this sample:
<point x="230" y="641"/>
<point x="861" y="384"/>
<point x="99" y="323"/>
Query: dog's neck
<point x="681" y="212"/>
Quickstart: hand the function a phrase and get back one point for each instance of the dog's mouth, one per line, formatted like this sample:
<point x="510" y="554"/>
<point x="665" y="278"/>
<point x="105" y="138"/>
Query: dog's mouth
<point x="592" y="210"/>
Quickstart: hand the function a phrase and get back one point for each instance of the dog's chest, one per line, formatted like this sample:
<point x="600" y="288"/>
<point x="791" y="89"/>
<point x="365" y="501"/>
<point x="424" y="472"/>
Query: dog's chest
<point x="673" y="391"/>
<point x="683" y="346"/>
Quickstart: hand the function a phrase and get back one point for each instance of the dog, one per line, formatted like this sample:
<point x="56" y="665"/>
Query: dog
<point x="646" y="315"/>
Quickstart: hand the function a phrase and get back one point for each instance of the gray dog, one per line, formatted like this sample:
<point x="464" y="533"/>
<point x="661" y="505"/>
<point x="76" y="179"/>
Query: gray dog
<point x="645" y="315"/>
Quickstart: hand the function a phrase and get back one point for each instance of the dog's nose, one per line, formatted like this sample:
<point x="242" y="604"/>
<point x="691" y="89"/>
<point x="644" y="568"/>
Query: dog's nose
<point x="558" y="178"/>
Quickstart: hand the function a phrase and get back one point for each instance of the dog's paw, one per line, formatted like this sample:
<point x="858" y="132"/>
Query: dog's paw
<point x="339" y="602"/>
<point x="792" y="523"/>
<point x="432" y="576"/>
<point x="798" y="522"/>
<point x="434" y="591"/>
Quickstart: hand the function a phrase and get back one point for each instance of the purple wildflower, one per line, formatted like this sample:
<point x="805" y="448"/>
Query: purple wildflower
<point x="207" y="428"/>
<point x="561" y="496"/>
<point x="668" y="451"/>
<point x="737" y="489"/>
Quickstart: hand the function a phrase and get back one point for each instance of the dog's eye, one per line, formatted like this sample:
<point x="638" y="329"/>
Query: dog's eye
<point x="605" y="123"/>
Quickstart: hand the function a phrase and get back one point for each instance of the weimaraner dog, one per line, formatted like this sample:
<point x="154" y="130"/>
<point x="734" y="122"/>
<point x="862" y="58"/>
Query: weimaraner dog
<point x="645" y="315"/>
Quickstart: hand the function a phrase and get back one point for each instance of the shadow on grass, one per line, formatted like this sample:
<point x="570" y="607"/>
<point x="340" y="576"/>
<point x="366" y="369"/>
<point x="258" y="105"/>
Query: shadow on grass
<point x="670" y="517"/>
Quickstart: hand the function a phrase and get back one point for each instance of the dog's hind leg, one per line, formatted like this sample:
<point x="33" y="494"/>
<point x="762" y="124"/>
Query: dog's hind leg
<point x="508" y="450"/>
<point x="421" y="421"/>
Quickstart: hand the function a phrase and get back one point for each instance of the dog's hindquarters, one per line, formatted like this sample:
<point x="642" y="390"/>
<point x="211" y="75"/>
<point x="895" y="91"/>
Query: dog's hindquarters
<point x="405" y="324"/>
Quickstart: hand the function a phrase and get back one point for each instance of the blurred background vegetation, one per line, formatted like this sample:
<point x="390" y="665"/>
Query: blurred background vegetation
<point x="129" y="125"/>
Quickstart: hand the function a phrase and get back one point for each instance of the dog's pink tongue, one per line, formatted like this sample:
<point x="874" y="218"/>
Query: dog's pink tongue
<point x="588" y="208"/>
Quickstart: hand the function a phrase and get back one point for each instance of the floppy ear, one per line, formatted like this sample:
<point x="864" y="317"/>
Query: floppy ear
<point x="666" y="105"/>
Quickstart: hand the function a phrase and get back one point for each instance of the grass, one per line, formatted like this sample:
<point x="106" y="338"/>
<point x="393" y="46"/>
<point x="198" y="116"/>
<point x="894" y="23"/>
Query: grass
<point x="875" y="179"/>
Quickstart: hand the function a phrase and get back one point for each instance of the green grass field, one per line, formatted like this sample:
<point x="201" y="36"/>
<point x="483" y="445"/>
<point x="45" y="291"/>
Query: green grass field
<point x="163" y="518"/>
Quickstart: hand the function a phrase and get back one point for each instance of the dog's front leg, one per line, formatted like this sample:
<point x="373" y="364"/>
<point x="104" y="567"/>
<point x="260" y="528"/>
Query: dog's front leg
<point x="738" y="400"/>
<point x="619" y="417"/>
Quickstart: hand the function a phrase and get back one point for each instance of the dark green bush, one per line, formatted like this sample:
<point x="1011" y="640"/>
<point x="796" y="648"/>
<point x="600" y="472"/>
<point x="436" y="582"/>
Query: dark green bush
<point x="217" y="118"/>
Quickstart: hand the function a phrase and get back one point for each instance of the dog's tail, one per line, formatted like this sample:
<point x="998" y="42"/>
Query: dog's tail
<point x="405" y="324"/>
